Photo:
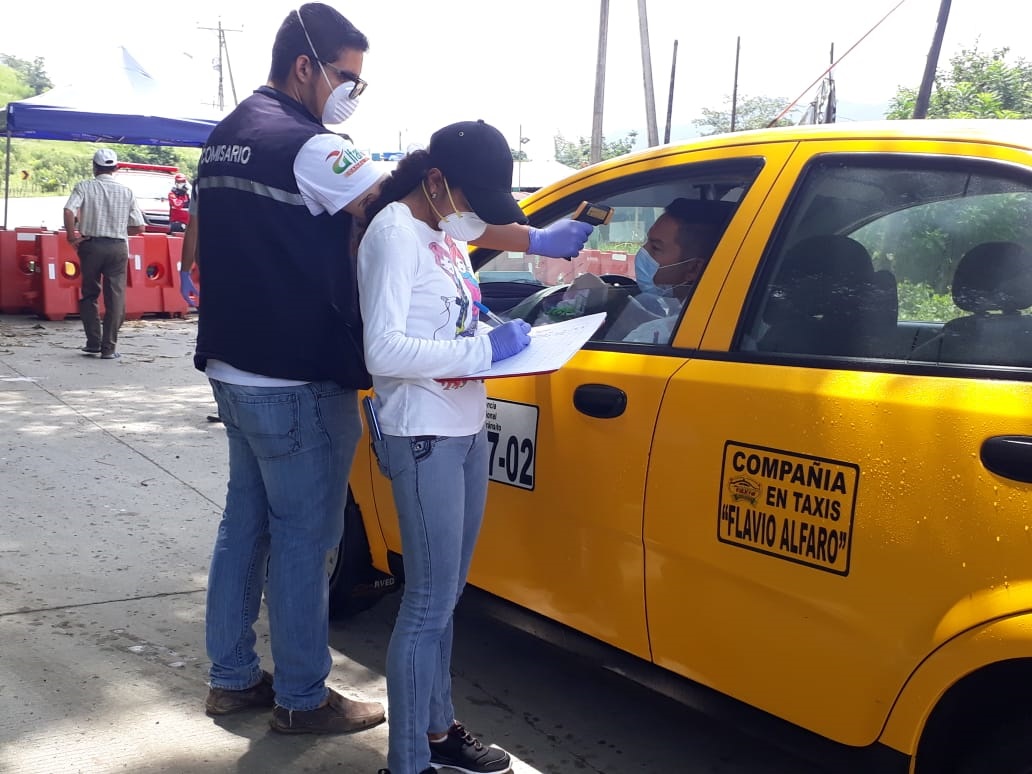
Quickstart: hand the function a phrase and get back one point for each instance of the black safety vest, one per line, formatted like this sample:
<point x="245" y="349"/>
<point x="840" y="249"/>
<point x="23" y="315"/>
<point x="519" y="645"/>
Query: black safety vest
<point x="279" y="294"/>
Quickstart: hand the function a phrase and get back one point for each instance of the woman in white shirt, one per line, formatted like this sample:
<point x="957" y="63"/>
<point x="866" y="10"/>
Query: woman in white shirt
<point x="419" y="301"/>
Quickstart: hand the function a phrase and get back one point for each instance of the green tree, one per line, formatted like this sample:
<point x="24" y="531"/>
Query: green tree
<point x="12" y="86"/>
<point x="147" y="154"/>
<point x="975" y="85"/>
<point x="577" y="153"/>
<point x="33" y="73"/>
<point x="750" y="113"/>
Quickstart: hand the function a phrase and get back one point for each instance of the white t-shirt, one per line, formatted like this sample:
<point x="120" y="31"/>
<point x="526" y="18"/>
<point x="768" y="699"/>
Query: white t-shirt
<point x="416" y="288"/>
<point x="330" y="174"/>
<point x="661" y="330"/>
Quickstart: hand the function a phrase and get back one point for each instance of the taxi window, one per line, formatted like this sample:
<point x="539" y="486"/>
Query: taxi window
<point x="896" y="258"/>
<point x="641" y="268"/>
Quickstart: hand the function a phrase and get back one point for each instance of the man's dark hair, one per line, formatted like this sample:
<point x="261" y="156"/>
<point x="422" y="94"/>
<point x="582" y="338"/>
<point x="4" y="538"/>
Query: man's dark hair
<point x="703" y="219"/>
<point x="331" y="33"/>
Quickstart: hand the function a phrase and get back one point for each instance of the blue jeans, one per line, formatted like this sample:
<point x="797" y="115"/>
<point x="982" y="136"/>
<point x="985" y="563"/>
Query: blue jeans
<point x="290" y="453"/>
<point x="440" y="487"/>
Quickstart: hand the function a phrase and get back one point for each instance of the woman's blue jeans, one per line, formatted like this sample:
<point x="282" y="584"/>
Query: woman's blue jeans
<point x="440" y="487"/>
<point x="290" y="453"/>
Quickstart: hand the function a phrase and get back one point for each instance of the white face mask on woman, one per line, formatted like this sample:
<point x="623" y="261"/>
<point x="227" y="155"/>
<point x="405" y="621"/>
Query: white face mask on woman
<point x="464" y="226"/>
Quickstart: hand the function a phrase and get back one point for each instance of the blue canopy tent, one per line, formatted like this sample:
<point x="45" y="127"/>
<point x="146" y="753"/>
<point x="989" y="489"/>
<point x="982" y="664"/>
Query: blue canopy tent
<point x="125" y="106"/>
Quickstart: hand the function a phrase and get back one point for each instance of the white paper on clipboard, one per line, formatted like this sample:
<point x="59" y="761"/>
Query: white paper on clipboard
<point x="551" y="346"/>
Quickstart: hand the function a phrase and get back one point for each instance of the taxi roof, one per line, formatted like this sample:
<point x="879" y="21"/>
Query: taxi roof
<point x="1015" y="133"/>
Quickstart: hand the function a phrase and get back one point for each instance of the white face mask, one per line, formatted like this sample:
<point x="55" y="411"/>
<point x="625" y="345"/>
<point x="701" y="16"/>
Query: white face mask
<point x="464" y="226"/>
<point x="340" y="105"/>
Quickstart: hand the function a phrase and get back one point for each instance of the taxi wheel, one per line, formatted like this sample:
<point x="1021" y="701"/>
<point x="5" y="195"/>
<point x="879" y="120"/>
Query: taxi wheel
<point x="1006" y="750"/>
<point x="355" y="585"/>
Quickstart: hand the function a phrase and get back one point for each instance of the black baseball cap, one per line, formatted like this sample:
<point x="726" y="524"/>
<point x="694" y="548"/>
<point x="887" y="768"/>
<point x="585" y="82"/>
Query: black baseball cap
<point x="475" y="157"/>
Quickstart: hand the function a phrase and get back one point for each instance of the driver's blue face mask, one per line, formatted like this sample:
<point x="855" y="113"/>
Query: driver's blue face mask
<point x="645" y="267"/>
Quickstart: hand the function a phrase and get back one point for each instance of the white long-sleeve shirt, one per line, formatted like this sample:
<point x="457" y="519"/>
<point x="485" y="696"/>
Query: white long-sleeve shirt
<point x="416" y="290"/>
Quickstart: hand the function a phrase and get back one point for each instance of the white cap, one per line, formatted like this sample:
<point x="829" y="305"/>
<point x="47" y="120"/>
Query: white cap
<point x="105" y="157"/>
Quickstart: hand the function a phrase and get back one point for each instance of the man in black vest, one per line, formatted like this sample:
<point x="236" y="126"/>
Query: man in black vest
<point x="279" y="337"/>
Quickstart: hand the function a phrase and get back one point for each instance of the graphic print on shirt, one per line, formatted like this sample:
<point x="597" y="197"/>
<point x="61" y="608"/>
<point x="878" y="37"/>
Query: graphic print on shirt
<point x="451" y="261"/>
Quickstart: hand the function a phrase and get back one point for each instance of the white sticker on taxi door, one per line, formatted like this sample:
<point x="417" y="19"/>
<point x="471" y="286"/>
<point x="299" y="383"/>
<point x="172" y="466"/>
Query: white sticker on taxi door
<point x="512" y="442"/>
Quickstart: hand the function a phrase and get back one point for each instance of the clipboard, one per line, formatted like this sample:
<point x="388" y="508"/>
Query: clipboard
<point x="551" y="347"/>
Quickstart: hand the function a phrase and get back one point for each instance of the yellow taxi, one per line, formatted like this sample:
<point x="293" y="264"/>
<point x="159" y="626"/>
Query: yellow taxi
<point x="807" y="488"/>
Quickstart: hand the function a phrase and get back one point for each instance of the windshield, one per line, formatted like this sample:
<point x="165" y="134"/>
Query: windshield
<point x="146" y="185"/>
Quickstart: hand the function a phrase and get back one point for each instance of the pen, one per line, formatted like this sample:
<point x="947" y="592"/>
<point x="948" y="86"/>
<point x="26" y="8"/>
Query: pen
<point x="490" y="315"/>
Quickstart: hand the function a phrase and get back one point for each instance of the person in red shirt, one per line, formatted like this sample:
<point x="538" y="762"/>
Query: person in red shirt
<point x="178" y="206"/>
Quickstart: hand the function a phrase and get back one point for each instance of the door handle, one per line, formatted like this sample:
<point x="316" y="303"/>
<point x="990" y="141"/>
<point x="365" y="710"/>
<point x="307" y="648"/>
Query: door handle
<point x="600" y="400"/>
<point x="1009" y="456"/>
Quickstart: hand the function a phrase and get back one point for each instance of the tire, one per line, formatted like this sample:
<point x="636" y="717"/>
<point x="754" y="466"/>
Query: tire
<point x="1005" y="750"/>
<point x="355" y="585"/>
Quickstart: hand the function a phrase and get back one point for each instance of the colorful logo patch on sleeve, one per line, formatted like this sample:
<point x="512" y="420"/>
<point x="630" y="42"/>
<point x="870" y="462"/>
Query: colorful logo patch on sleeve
<point x="346" y="159"/>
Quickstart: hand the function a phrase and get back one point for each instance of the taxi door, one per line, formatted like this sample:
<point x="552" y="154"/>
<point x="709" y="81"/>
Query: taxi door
<point x="570" y="450"/>
<point x="820" y="519"/>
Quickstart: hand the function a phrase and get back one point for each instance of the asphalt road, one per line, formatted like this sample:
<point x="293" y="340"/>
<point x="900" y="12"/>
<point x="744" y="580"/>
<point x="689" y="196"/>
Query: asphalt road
<point x="111" y="483"/>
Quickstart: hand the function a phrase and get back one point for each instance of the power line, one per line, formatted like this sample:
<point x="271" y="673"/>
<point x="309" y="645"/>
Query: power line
<point x="831" y="67"/>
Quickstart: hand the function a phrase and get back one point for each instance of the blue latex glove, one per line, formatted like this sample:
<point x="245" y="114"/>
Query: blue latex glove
<point x="188" y="289"/>
<point x="508" y="339"/>
<point x="562" y="239"/>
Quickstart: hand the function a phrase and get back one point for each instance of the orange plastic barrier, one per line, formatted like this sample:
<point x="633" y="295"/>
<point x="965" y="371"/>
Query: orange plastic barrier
<point x="175" y="305"/>
<point x="19" y="271"/>
<point x="616" y="263"/>
<point x="149" y="274"/>
<point x="60" y="277"/>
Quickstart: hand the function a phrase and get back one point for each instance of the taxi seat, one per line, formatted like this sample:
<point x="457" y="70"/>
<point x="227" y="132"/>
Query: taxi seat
<point x="828" y="300"/>
<point x="993" y="281"/>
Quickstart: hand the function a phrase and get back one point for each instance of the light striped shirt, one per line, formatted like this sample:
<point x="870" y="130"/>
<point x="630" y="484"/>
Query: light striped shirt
<point x="105" y="207"/>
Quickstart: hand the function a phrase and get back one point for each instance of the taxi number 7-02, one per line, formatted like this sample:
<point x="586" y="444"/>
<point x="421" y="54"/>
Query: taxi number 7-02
<point x="512" y="442"/>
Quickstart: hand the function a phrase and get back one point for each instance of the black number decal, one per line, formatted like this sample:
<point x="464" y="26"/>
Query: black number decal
<point x="525" y="477"/>
<point x="512" y="457"/>
<point x="492" y="438"/>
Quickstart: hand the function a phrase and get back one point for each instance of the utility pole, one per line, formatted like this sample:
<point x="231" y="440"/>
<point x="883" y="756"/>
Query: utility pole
<point x="519" y="159"/>
<point x="924" y="94"/>
<point x="217" y="63"/>
<point x="734" y="87"/>
<point x="646" y="68"/>
<point x="600" y="83"/>
<point x="670" y="97"/>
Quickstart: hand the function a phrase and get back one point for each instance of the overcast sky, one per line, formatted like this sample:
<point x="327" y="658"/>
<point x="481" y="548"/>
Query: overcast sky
<point x="528" y="64"/>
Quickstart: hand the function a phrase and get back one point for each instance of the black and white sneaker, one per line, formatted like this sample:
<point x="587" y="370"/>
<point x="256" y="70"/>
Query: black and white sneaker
<point x="462" y="751"/>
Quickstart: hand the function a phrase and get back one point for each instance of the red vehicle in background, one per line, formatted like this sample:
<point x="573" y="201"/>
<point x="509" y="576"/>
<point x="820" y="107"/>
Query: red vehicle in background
<point x="150" y="183"/>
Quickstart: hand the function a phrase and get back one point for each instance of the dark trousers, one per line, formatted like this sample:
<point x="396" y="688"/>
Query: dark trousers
<point x="100" y="257"/>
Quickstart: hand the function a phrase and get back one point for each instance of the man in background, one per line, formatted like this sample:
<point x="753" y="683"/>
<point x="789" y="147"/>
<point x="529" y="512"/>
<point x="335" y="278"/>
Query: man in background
<point x="178" y="205"/>
<point x="107" y="213"/>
